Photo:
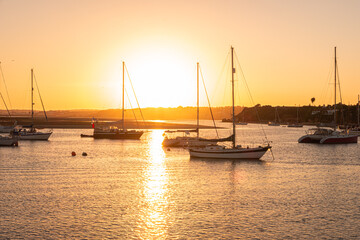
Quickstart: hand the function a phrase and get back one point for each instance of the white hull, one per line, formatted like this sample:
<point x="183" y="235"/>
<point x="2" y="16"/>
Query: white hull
<point x="223" y="153"/>
<point x="35" y="136"/>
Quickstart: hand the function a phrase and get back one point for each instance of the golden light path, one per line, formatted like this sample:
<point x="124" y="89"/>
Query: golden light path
<point x="154" y="210"/>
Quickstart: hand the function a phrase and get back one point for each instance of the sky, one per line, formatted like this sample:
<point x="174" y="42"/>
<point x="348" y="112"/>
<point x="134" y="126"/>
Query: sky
<point x="285" y="49"/>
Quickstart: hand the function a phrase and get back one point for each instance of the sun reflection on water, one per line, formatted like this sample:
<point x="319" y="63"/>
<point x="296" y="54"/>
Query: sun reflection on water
<point x="154" y="208"/>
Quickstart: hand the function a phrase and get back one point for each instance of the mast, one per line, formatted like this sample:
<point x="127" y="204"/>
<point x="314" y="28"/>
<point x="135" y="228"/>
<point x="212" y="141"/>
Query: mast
<point x="358" y="111"/>
<point x="32" y="97"/>
<point x="123" y="91"/>
<point x="233" y="97"/>
<point x="198" y="113"/>
<point x="297" y="115"/>
<point x="335" y="93"/>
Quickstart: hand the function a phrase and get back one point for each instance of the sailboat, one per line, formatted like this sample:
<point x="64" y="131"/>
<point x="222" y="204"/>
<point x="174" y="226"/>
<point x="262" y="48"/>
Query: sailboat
<point x="327" y="135"/>
<point x="190" y="141"/>
<point x="235" y="152"/>
<point x="30" y="132"/>
<point x="356" y="129"/>
<point x="275" y="122"/>
<point x="243" y="123"/>
<point x="113" y="132"/>
<point x="6" y="128"/>
<point x="297" y="124"/>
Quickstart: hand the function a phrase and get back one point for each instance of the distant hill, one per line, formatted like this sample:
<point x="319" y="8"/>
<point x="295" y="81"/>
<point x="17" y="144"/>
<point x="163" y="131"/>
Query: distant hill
<point x="307" y="114"/>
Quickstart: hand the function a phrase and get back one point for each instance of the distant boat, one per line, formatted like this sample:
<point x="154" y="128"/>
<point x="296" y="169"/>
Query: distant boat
<point x="276" y="122"/>
<point x="30" y="132"/>
<point x="8" y="141"/>
<point x="297" y="124"/>
<point x="327" y="135"/>
<point x="7" y="128"/>
<point x="186" y="140"/>
<point x="242" y="123"/>
<point x="235" y="152"/>
<point x="114" y="132"/>
<point x="356" y="129"/>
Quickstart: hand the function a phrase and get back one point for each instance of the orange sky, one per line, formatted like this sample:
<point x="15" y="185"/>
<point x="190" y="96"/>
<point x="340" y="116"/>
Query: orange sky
<point x="76" y="49"/>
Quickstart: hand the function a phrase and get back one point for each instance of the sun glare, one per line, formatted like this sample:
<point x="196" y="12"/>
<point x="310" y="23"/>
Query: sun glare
<point x="162" y="76"/>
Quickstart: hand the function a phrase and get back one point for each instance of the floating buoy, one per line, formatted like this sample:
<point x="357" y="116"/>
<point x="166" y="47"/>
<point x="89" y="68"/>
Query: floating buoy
<point x="73" y="154"/>
<point x="84" y="154"/>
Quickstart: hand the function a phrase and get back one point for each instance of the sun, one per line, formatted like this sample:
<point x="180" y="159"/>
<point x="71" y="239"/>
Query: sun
<point x="162" y="76"/>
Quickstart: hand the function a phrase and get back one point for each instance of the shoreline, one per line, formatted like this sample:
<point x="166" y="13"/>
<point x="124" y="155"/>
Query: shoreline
<point x="86" y="123"/>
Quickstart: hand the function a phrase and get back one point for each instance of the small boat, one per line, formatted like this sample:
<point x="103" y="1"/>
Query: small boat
<point x="297" y="124"/>
<point x="236" y="151"/>
<point x="7" y="128"/>
<point x="324" y="135"/>
<point x="115" y="133"/>
<point x="86" y="135"/>
<point x="276" y="122"/>
<point x="8" y="141"/>
<point x="355" y="130"/>
<point x="327" y="136"/>
<point x="30" y="132"/>
<point x="243" y="123"/>
<point x="112" y="132"/>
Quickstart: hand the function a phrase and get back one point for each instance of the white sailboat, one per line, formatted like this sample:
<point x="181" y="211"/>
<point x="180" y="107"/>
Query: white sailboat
<point x="190" y="141"/>
<point x="242" y="123"/>
<point x="328" y="135"/>
<point x="113" y="132"/>
<point x="276" y="122"/>
<point x="30" y="132"/>
<point x="235" y="152"/>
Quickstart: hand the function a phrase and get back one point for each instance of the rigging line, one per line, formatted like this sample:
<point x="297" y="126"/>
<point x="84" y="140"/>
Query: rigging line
<point x="5" y="105"/>
<point x="142" y="116"/>
<point x="137" y="123"/>
<point x="2" y="74"/>
<point x="225" y="66"/>
<point x="37" y="87"/>
<point x="251" y="98"/>
<point x="207" y="96"/>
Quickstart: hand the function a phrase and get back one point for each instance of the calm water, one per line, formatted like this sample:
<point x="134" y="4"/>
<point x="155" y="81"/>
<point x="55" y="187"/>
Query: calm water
<point x="136" y="190"/>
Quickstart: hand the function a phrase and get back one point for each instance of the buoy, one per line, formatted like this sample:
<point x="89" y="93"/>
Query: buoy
<point x="84" y="154"/>
<point x="73" y="154"/>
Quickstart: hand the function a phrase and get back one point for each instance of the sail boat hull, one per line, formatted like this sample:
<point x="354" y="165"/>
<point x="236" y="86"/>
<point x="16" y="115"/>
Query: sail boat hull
<point x="35" y="136"/>
<point x="118" y="135"/>
<point x="233" y="153"/>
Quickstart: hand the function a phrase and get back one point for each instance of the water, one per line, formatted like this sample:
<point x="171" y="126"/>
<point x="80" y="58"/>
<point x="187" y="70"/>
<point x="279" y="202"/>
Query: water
<point x="137" y="190"/>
